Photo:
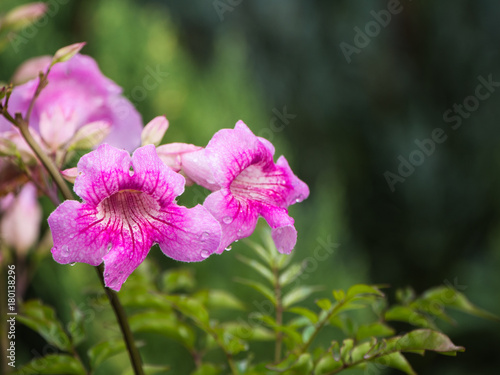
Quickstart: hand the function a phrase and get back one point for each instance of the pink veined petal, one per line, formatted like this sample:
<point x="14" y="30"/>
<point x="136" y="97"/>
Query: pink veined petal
<point x="127" y="252"/>
<point x="196" y="166"/>
<point x="188" y="234"/>
<point x="232" y="150"/>
<point x="77" y="234"/>
<point x="155" y="178"/>
<point x="298" y="189"/>
<point x="237" y="218"/>
<point x="102" y="173"/>
<point x="283" y="231"/>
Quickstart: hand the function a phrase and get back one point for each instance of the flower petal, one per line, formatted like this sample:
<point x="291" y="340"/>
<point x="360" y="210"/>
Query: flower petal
<point x="155" y="178"/>
<point x="237" y="218"/>
<point x="127" y="252"/>
<point x="297" y="189"/>
<point x="171" y="154"/>
<point x="188" y="234"/>
<point x="198" y="168"/>
<point x="102" y="173"/>
<point x="283" y="231"/>
<point x="77" y="235"/>
<point x="232" y="150"/>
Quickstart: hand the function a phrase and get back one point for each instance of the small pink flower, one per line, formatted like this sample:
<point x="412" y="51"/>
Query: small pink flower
<point x="238" y="168"/>
<point x="125" y="211"/>
<point x="21" y="219"/>
<point x="77" y="94"/>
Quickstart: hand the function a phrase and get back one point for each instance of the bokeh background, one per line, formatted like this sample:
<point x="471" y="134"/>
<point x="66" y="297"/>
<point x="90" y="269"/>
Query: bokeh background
<point x="348" y="119"/>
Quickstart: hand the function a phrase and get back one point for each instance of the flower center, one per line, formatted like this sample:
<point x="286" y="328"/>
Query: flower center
<point x="253" y="183"/>
<point x="128" y="208"/>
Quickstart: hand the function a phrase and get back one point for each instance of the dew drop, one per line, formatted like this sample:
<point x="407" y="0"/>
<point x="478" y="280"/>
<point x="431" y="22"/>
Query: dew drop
<point x="205" y="254"/>
<point x="72" y="264"/>
<point x="204" y="236"/>
<point x="227" y="220"/>
<point x="65" y="250"/>
<point x="106" y="274"/>
<point x="228" y="248"/>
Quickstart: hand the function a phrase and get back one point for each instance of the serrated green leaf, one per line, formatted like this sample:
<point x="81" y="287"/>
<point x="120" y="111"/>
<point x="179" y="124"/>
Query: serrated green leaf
<point x="257" y="266"/>
<point x="376" y="329"/>
<point x="362" y="289"/>
<point x="207" y="369"/>
<point x="298" y="294"/>
<point x="165" y="324"/>
<point x="397" y="361"/>
<point x="408" y="315"/>
<point x="290" y="274"/>
<point x="42" y="319"/>
<point x="54" y="364"/>
<point x="310" y="315"/>
<point x="178" y="279"/>
<point x="149" y="370"/>
<point x="261" y="288"/>
<point x="104" y="350"/>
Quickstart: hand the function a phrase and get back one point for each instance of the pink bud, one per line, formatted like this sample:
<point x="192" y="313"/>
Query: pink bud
<point x="20" y="225"/>
<point x="30" y="69"/>
<point x="24" y="15"/>
<point x="70" y="174"/>
<point x="66" y="53"/>
<point x="154" y="131"/>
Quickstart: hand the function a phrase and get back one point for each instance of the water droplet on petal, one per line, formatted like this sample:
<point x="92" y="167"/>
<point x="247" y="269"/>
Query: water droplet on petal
<point x="235" y="241"/>
<point x="227" y="220"/>
<point x="72" y="264"/>
<point x="228" y="248"/>
<point x="64" y="250"/>
<point x="130" y="172"/>
<point x="205" y="254"/>
<point x="205" y="236"/>
<point x="106" y="274"/>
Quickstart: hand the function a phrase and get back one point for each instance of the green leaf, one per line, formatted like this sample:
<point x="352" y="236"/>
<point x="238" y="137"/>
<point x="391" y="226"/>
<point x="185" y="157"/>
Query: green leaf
<point x="304" y="365"/>
<point x="397" y="361"/>
<point x="190" y="307"/>
<point x="264" y="290"/>
<point x="327" y="364"/>
<point x="165" y="324"/>
<point x="423" y="339"/>
<point x="345" y="350"/>
<point x="408" y="315"/>
<point x="231" y="343"/>
<point x="324" y="304"/>
<point x="450" y="297"/>
<point x="313" y="318"/>
<point x="405" y="296"/>
<point x="149" y="370"/>
<point x="290" y="274"/>
<point x="298" y="294"/>
<point x="207" y="369"/>
<point x="339" y="295"/>
<point x="76" y="327"/>
<point x="177" y="279"/>
<point x="214" y="298"/>
<point x="263" y="253"/>
<point x="376" y="329"/>
<point x="362" y="289"/>
<point x="54" y="364"/>
<point x="42" y="319"/>
<point x="259" y="267"/>
<point x="144" y="298"/>
<point x="249" y="332"/>
<point x="104" y="350"/>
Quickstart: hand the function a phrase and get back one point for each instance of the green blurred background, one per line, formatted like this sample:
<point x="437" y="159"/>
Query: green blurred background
<point x="347" y="124"/>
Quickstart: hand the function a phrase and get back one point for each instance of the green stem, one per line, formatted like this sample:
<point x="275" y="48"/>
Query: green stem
<point x="279" y="315"/>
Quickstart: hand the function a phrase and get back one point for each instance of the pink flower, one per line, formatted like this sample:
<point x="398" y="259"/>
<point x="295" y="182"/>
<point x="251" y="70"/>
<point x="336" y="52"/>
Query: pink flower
<point x="77" y="94"/>
<point x="125" y="211"/>
<point x="21" y="219"/>
<point x="238" y="168"/>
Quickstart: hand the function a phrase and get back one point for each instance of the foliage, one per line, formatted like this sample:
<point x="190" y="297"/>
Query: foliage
<point x="356" y="323"/>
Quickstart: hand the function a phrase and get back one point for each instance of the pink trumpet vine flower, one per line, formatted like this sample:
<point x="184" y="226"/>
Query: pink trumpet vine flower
<point x="246" y="183"/>
<point x="128" y="205"/>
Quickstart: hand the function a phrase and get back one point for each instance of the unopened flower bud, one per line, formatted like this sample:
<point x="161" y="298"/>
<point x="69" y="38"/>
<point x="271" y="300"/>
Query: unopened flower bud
<point x="154" y="131"/>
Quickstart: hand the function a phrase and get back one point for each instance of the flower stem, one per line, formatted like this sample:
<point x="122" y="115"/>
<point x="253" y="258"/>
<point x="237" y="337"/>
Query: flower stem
<point x="121" y="317"/>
